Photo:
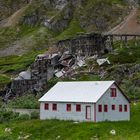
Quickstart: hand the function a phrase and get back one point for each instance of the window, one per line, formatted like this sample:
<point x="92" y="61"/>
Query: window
<point x="125" y="108"/>
<point x="99" y="108"/>
<point x="78" y="108"/>
<point x="46" y="106"/>
<point x="120" y="108"/>
<point x="113" y="107"/>
<point x="54" y="107"/>
<point x="68" y="107"/>
<point x="113" y="92"/>
<point x="105" y="108"/>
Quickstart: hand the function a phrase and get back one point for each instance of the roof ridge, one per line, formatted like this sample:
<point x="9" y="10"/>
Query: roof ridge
<point x="84" y="81"/>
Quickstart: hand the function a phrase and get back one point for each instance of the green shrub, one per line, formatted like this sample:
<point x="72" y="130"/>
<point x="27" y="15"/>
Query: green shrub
<point x="34" y="115"/>
<point x="23" y="117"/>
<point x="129" y="54"/>
<point x="8" y="115"/>
<point x="5" y="138"/>
<point x="28" y="101"/>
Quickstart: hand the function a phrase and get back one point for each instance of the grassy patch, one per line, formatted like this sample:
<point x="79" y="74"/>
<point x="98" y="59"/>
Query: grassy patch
<point x="26" y="101"/>
<point x="67" y="130"/>
<point x="131" y="90"/>
<point x="7" y="35"/>
<point x="37" y="34"/>
<point x="128" y="54"/>
<point x="16" y="64"/>
<point x="72" y="30"/>
<point x="12" y="65"/>
<point x="10" y="34"/>
<point x="4" y="79"/>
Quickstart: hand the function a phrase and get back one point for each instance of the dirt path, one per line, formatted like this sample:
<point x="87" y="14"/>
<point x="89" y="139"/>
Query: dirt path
<point x="13" y="19"/>
<point x="129" y="26"/>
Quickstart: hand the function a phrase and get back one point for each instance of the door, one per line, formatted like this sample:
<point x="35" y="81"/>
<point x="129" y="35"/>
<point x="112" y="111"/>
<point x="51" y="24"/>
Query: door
<point x="88" y="112"/>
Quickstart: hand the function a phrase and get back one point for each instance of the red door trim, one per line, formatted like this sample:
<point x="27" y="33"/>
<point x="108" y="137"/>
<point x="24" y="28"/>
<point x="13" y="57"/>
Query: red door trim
<point x="94" y="112"/>
<point x="86" y="113"/>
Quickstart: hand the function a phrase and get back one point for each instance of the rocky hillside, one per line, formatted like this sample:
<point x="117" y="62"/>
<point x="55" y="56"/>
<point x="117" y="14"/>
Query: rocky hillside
<point x="31" y="27"/>
<point x="34" y="24"/>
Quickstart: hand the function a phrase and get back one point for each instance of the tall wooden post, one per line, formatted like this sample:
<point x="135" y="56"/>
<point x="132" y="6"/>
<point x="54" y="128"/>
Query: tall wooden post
<point x="125" y="41"/>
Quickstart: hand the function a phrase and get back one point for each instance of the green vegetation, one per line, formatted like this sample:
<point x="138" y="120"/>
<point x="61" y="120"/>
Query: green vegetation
<point x="71" y="31"/>
<point x="67" y="130"/>
<point x="7" y="36"/>
<point x="6" y="116"/>
<point x="28" y="101"/>
<point x="16" y="64"/>
<point x="12" y="65"/>
<point x="8" y="7"/>
<point x="132" y="91"/>
<point x="38" y="35"/>
<point x="128" y="54"/>
<point x="95" y="15"/>
<point x="4" y="79"/>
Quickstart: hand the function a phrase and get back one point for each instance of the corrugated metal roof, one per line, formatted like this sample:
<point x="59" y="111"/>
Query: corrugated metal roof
<point x="89" y="91"/>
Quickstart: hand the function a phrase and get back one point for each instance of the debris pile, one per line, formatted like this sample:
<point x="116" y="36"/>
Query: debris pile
<point x="46" y="66"/>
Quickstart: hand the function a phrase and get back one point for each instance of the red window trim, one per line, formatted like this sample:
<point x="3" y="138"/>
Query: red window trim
<point x="113" y="107"/>
<point x="113" y="92"/>
<point x="54" y="107"/>
<point x="46" y="106"/>
<point x="105" y="108"/>
<point x="125" y="108"/>
<point x="99" y="108"/>
<point x="120" y="108"/>
<point x="78" y="107"/>
<point x="68" y="107"/>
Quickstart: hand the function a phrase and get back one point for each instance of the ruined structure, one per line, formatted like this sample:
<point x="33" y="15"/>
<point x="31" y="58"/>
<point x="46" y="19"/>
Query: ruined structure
<point x="95" y="44"/>
<point x="85" y="44"/>
<point x="32" y="80"/>
<point x="67" y="55"/>
<point x="122" y="38"/>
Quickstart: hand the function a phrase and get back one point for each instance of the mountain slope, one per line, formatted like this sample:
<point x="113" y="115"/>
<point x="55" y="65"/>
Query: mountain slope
<point x="13" y="19"/>
<point x="58" y="17"/>
<point x="34" y="26"/>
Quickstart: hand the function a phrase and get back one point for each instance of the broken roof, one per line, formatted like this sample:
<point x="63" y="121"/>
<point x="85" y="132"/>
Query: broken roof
<point x="77" y="91"/>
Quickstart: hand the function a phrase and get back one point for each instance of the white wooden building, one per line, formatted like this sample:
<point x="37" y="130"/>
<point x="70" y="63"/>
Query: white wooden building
<point x="85" y="101"/>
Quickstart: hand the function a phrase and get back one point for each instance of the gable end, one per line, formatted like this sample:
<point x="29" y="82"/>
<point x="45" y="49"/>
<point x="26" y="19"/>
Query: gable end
<point x="119" y="89"/>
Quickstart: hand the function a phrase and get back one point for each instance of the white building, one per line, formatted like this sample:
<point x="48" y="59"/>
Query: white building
<point x="85" y="101"/>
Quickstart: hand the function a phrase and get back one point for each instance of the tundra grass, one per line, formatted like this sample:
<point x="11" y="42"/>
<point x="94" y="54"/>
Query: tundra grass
<point x="15" y="63"/>
<point x="71" y="31"/>
<point x="4" y="79"/>
<point x="67" y="130"/>
<point x="125" y="54"/>
<point x="12" y="65"/>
